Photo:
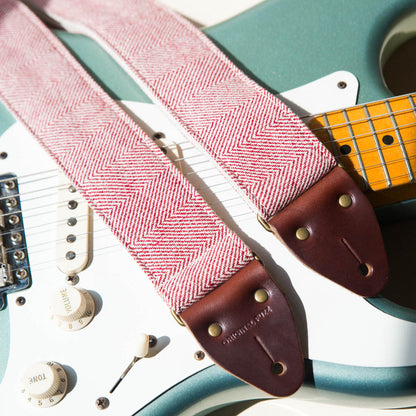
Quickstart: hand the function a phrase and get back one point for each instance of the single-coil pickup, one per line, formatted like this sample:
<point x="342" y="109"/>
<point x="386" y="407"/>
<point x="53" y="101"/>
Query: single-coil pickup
<point x="14" y="263"/>
<point x="74" y="230"/>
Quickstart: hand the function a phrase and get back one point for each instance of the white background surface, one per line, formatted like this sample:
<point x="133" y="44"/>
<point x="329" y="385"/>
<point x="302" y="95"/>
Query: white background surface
<point x="208" y="13"/>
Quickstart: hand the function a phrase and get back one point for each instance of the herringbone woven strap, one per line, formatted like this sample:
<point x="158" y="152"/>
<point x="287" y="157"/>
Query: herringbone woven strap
<point x="167" y="227"/>
<point x="259" y="143"/>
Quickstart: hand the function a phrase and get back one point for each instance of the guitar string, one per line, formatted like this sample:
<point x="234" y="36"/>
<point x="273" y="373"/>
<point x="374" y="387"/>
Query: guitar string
<point x="105" y="248"/>
<point x="19" y="178"/>
<point x="63" y="186"/>
<point x="30" y="175"/>
<point x="359" y="107"/>
<point x="39" y="228"/>
<point x="175" y="160"/>
<point x="117" y="245"/>
<point x="355" y="170"/>
<point x="350" y="154"/>
<point x="225" y="203"/>
<point x="89" y="252"/>
<point x="385" y="148"/>
<point x="32" y="266"/>
<point x="357" y="122"/>
<point x="44" y="264"/>
<point x="96" y="251"/>
<point x="374" y="166"/>
<point x="184" y="143"/>
<point x="99" y="252"/>
<point x="241" y="217"/>
<point x="80" y="199"/>
<point x="199" y="189"/>
<point x="365" y="135"/>
<point x="38" y="266"/>
<point x="57" y="259"/>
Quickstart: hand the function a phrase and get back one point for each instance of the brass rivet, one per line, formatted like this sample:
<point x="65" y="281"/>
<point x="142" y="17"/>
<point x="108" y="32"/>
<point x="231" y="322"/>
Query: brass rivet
<point x="214" y="330"/>
<point x="345" y="201"/>
<point x="260" y="296"/>
<point x="302" y="234"/>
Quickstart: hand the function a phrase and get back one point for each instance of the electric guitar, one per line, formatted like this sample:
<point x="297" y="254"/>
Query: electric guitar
<point x="356" y="348"/>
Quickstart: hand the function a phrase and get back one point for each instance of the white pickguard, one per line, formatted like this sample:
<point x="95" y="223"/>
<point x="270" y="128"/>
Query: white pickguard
<point x="340" y="326"/>
<point x="98" y="354"/>
<point x="323" y="95"/>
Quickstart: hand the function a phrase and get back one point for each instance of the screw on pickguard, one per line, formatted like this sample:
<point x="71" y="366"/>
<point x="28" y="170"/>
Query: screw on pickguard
<point x="14" y="263"/>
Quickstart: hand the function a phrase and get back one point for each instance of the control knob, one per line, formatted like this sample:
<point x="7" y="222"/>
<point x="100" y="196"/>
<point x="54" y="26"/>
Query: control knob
<point x="72" y="308"/>
<point x="44" y="384"/>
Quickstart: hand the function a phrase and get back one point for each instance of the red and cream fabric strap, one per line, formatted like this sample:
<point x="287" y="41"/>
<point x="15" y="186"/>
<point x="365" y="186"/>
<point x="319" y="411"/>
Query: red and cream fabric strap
<point x="145" y="200"/>
<point x="260" y="145"/>
<point x="167" y="227"/>
<point x="193" y="259"/>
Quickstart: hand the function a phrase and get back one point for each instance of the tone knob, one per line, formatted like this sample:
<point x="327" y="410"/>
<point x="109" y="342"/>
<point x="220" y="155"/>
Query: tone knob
<point x="44" y="384"/>
<point x="72" y="308"/>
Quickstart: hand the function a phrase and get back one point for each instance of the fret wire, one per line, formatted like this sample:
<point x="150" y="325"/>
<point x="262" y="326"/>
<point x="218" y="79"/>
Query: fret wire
<point x="373" y="149"/>
<point x="364" y="135"/>
<point x="357" y="151"/>
<point x="393" y="178"/>
<point x="412" y="103"/>
<point x="334" y="148"/>
<point x="363" y="120"/>
<point x="348" y="155"/>
<point x="361" y="106"/>
<point x="380" y="153"/>
<point x="391" y="162"/>
<point x="401" y="143"/>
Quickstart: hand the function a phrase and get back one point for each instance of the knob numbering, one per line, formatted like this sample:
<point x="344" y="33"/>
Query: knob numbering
<point x="44" y="384"/>
<point x="72" y="308"/>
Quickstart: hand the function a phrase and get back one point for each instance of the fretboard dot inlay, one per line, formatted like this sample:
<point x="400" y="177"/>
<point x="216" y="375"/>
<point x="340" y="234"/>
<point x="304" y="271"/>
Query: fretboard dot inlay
<point x="387" y="139"/>
<point x="345" y="149"/>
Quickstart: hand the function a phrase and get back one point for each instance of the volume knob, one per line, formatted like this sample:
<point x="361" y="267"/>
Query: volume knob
<point x="72" y="308"/>
<point x="44" y="384"/>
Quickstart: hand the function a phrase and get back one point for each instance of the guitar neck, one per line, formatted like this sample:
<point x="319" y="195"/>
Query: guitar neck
<point x="375" y="142"/>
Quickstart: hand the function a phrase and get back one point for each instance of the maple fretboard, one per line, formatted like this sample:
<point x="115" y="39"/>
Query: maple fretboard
<point x="375" y="142"/>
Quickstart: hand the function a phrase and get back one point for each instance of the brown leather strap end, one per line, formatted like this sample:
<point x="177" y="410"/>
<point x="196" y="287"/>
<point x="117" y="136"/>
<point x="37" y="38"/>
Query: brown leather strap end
<point x="332" y="228"/>
<point x="247" y="328"/>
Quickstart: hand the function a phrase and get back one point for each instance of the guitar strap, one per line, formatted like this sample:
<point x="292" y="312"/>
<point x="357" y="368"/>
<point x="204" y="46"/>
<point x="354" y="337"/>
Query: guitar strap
<point x="180" y="243"/>
<point x="261" y="146"/>
<point x="202" y="269"/>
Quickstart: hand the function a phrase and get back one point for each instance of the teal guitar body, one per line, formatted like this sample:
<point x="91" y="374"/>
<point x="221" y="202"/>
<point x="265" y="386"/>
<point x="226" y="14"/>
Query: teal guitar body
<point x="284" y="44"/>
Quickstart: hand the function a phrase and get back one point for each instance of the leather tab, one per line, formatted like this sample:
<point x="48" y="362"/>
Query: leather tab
<point x="343" y="243"/>
<point x="258" y="342"/>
